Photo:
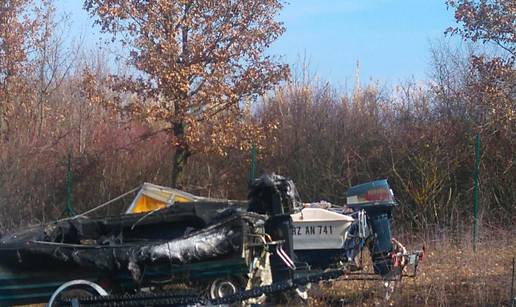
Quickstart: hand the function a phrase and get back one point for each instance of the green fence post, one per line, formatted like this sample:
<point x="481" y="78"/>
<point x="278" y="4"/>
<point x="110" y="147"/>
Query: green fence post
<point x="476" y="191"/>
<point x="69" y="207"/>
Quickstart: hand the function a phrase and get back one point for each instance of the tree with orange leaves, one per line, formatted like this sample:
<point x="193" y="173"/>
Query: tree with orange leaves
<point x="493" y="78"/>
<point x="489" y="92"/>
<point x="202" y="63"/>
<point x="12" y="53"/>
<point x="21" y="35"/>
<point x="486" y="21"/>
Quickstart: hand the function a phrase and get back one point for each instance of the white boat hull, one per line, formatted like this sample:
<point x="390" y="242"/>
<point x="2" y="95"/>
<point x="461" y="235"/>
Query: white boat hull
<point x="316" y="229"/>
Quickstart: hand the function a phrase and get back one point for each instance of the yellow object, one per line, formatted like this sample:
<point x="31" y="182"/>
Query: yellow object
<point x="146" y="204"/>
<point x="152" y="197"/>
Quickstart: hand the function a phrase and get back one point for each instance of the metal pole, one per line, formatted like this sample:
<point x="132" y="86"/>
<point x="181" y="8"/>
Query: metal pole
<point x="476" y="191"/>
<point x="69" y="208"/>
<point x="252" y="173"/>
<point x="513" y="298"/>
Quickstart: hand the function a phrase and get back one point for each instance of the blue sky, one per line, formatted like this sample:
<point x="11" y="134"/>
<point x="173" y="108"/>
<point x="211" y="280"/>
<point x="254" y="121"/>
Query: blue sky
<point x="390" y="38"/>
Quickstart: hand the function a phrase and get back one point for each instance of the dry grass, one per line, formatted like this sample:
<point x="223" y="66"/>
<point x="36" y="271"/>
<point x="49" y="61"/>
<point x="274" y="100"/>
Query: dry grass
<point x="452" y="274"/>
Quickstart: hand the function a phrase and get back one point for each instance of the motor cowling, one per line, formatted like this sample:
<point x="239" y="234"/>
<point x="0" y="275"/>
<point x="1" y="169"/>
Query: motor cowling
<point x="377" y="200"/>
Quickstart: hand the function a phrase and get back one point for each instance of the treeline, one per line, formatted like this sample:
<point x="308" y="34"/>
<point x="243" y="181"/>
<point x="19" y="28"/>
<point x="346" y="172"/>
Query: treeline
<point x="55" y="104"/>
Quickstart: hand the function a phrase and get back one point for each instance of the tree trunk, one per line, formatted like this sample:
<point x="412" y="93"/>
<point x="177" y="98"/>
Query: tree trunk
<point x="182" y="151"/>
<point x="4" y="105"/>
<point x="181" y="154"/>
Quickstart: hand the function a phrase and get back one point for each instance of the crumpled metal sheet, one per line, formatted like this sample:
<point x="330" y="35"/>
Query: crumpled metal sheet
<point x="214" y="242"/>
<point x="76" y="242"/>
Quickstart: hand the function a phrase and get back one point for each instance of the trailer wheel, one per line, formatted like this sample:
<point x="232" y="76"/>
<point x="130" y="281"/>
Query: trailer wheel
<point x="76" y="288"/>
<point x="222" y="287"/>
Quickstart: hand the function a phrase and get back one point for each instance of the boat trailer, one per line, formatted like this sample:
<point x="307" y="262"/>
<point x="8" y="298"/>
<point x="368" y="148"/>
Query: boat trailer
<point x="252" y="251"/>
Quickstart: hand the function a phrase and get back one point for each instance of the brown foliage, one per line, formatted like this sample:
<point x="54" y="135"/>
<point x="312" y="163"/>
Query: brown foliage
<point x="16" y="28"/>
<point x="487" y="21"/>
<point x="202" y="62"/>
<point x="492" y="81"/>
<point x="417" y="135"/>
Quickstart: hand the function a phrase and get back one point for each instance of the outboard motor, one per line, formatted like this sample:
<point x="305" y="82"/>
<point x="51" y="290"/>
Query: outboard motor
<point x="276" y="196"/>
<point x="377" y="200"/>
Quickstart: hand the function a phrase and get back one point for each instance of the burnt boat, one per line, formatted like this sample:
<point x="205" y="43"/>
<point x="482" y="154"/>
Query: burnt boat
<point x="323" y="235"/>
<point x="194" y="242"/>
<point x="216" y="247"/>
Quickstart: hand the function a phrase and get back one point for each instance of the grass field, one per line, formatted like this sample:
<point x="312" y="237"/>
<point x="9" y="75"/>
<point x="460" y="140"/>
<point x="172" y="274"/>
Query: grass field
<point x="452" y="274"/>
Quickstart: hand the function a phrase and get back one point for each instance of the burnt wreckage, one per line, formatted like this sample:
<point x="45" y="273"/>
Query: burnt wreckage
<point x="230" y="250"/>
